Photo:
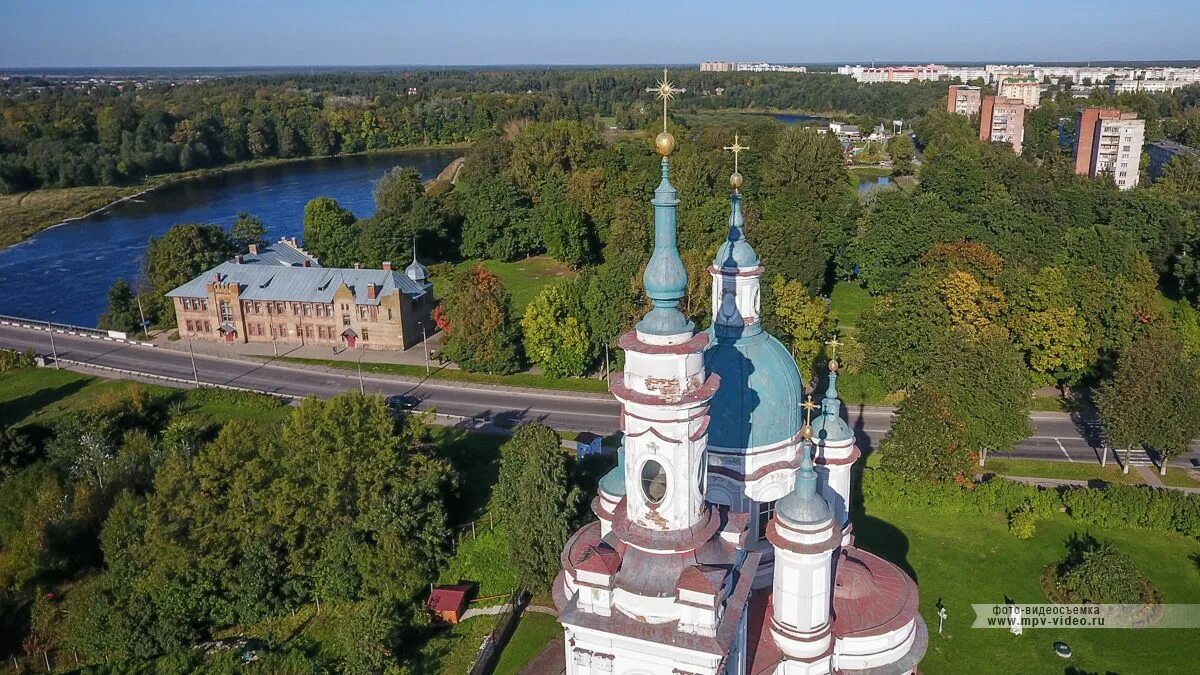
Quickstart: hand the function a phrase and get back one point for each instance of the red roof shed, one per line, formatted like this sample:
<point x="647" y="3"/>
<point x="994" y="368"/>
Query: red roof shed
<point x="449" y="602"/>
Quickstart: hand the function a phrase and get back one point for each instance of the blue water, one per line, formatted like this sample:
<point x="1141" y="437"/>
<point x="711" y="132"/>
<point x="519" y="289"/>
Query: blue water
<point x="867" y="182"/>
<point x="63" y="274"/>
<point x="799" y="119"/>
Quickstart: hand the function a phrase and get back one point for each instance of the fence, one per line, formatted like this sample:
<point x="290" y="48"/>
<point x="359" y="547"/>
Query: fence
<point x="68" y="329"/>
<point x="460" y="533"/>
<point x="177" y="380"/>
<point x="494" y="642"/>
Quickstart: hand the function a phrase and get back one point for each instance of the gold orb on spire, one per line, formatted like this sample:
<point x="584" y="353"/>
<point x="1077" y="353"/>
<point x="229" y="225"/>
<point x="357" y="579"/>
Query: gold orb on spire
<point x="735" y="179"/>
<point x="664" y="143"/>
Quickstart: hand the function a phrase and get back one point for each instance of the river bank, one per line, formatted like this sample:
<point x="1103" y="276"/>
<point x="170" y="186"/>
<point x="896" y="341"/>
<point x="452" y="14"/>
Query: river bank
<point x="25" y="214"/>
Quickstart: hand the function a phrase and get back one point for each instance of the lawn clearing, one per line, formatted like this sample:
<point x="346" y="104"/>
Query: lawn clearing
<point x="530" y="380"/>
<point x="43" y="395"/>
<point x="966" y="559"/>
<point x="848" y="301"/>
<point x="24" y="214"/>
<point x="1178" y="476"/>
<point x="1034" y="468"/>
<point x="523" y="278"/>
<point x="533" y="633"/>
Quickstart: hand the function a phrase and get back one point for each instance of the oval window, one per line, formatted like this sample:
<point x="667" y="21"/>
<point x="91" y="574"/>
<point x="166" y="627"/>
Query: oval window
<point x="654" y="481"/>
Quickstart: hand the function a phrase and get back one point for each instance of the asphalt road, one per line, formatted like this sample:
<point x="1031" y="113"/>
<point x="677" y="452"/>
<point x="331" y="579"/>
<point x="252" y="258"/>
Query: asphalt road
<point x="1056" y="436"/>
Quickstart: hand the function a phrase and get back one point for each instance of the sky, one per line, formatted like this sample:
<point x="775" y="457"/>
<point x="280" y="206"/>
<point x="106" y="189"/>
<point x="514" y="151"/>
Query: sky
<point x="66" y="33"/>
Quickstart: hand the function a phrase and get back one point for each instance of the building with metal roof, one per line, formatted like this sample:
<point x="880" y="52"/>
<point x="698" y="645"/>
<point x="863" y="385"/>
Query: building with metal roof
<point x="279" y="293"/>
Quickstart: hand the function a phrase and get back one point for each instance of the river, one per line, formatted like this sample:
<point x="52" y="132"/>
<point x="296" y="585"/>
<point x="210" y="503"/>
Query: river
<point x="62" y="274"/>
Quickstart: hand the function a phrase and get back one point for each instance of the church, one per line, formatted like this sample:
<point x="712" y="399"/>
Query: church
<point x="723" y="541"/>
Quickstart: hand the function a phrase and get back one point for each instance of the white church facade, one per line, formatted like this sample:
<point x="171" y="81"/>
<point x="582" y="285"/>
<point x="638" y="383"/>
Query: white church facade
<point x="723" y="541"/>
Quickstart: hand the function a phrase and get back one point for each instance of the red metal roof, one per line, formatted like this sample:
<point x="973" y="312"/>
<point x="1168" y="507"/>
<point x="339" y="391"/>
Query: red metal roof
<point x="448" y="598"/>
<point x="871" y="596"/>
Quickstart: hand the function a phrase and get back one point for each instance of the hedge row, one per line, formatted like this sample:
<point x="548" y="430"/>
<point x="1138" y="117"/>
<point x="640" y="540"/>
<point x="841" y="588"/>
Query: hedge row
<point x="1116" y="505"/>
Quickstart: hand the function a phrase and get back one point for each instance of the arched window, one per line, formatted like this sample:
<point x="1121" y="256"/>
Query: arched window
<point x="654" y="481"/>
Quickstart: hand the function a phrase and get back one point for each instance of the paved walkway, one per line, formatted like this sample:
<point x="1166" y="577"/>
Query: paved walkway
<point x="550" y="661"/>
<point x="1148" y="475"/>
<point x="413" y="356"/>
<point x="499" y="609"/>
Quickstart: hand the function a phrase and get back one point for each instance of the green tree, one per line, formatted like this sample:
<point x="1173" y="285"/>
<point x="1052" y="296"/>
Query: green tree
<point x="1046" y="325"/>
<point x="122" y="314"/>
<point x="901" y="334"/>
<point x="556" y="335"/>
<point x="331" y="232"/>
<point x="983" y="378"/>
<point x="565" y="230"/>
<point x="809" y="162"/>
<point x="1181" y="176"/>
<point x="794" y="249"/>
<point x="495" y="222"/>
<point x="536" y="503"/>
<point x="1153" y="399"/>
<point x="247" y="230"/>
<point x="482" y="335"/>
<point x="928" y="441"/>
<point x="800" y="320"/>
<point x="900" y="149"/>
<point x="895" y="233"/>
<point x="17" y="451"/>
<point x="180" y="255"/>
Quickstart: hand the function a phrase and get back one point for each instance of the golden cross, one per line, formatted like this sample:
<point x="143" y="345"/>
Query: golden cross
<point x="736" y="149"/>
<point x="665" y="91"/>
<point x="809" y="407"/>
<point x="833" y="344"/>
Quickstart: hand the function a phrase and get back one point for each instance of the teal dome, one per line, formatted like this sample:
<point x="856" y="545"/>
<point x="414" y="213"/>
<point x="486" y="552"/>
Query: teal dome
<point x="758" y="402"/>
<point x="829" y="425"/>
<point x="804" y="505"/>
<point x="736" y="252"/>
<point x="613" y="482"/>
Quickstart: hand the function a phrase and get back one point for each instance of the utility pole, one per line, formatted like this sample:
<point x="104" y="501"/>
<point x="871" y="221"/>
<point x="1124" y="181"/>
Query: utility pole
<point x="145" y="324"/>
<point x="195" y="374"/>
<point x="53" y="350"/>
<point x="425" y="346"/>
<point x="361" y="389"/>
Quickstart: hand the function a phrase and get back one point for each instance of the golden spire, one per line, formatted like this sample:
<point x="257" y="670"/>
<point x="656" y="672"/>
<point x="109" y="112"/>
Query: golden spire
<point x="809" y="407"/>
<point x="833" y="343"/>
<point x="736" y="178"/>
<point x="664" y="143"/>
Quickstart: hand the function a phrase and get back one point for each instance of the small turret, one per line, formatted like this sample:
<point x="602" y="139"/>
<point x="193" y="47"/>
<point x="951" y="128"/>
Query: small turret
<point x="415" y="270"/>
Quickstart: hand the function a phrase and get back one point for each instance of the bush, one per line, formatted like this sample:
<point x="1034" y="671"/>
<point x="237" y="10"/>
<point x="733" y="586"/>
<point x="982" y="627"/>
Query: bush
<point x="1098" y="572"/>
<point x="11" y="359"/>
<point x="248" y="400"/>
<point x="1022" y="523"/>
<point x="1136" y="506"/>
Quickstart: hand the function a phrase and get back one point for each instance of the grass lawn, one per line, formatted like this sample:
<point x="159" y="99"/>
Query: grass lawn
<point x="523" y="278"/>
<point x="42" y="395"/>
<point x="532" y="380"/>
<point x="455" y="650"/>
<point x="1052" y="404"/>
<point x="1034" y="468"/>
<point x="24" y="214"/>
<point x="848" y="300"/>
<point x="973" y="559"/>
<point x="1180" y="477"/>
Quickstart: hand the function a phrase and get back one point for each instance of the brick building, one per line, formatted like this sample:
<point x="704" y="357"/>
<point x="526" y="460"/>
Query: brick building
<point x="963" y="99"/>
<point x="1108" y="141"/>
<point x="1002" y="120"/>
<point x="279" y="293"/>
<point x="1026" y="89"/>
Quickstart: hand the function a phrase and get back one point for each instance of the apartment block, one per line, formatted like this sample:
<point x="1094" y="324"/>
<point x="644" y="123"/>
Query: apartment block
<point x="1025" y="88"/>
<point x="1108" y="141"/>
<point x="963" y="99"/>
<point x="1002" y="120"/>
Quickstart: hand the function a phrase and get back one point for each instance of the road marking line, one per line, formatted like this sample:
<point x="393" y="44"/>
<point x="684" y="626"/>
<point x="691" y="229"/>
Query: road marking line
<point x="1064" y="450"/>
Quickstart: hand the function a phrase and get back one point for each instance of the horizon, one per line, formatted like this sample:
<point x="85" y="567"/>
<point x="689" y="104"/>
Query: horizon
<point x="472" y="33"/>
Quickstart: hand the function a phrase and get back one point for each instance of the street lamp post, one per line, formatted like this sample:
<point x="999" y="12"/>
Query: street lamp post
<point x="425" y="346"/>
<point x="53" y="349"/>
<point x="192" y="354"/>
<point x="361" y="389"/>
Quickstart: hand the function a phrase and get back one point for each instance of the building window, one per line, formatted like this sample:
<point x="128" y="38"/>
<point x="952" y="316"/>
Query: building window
<point x="188" y="323"/>
<point x="389" y="311"/>
<point x="204" y="304"/>
<point x="295" y="309"/>
<point x="765" y="511"/>
<point x="362" y="312"/>
<point x="226" y="311"/>
<point x="305" y="308"/>
<point x="207" y="326"/>
<point x="365" y="338"/>
<point x="654" y="482"/>
<point x="258" y="308"/>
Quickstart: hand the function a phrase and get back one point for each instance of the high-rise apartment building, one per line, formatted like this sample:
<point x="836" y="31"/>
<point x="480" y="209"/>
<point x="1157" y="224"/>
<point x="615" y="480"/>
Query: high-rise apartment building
<point x="1108" y="141"/>
<point x="1024" y="88"/>
<point x="963" y="99"/>
<point x="1002" y="120"/>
